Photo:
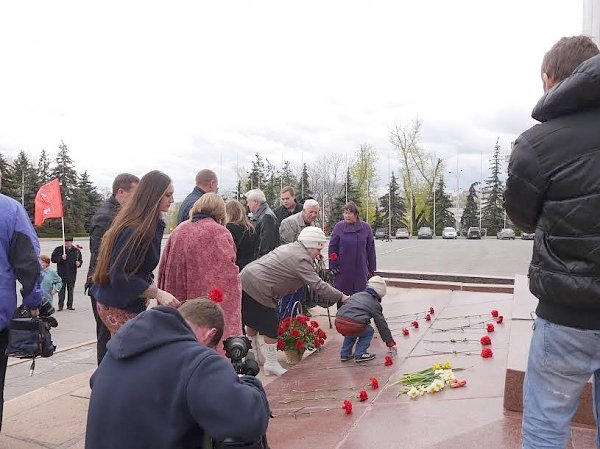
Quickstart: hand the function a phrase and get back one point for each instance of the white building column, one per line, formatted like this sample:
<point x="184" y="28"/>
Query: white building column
<point x="591" y="19"/>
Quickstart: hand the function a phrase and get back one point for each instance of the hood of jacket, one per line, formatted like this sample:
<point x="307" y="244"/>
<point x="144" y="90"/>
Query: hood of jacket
<point x="578" y="92"/>
<point x="160" y="326"/>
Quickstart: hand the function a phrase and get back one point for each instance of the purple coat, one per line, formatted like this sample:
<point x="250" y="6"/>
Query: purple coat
<point x="355" y="251"/>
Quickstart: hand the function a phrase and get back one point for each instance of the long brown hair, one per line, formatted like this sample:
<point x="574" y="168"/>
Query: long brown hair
<point x="237" y="214"/>
<point x="141" y="213"/>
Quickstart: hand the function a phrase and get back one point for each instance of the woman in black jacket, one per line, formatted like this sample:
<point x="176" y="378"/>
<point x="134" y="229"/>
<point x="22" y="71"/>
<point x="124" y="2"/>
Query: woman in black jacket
<point x="243" y="233"/>
<point x="123" y="281"/>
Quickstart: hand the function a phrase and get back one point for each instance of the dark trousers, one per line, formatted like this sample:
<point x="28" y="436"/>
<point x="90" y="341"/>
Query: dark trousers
<point x="3" y="362"/>
<point x="68" y="287"/>
<point x="102" y="333"/>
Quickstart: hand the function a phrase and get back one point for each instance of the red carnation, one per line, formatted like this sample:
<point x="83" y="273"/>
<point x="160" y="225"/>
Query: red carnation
<point x="78" y="246"/>
<point x="302" y="319"/>
<point x="374" y="383"/>
<point x="333" y="257"/>
<point x="494" y="313"/>
<point x="363" y="396"/>
<point x="405" y="332"/>
<point x="427" y="317"/>
<point x="295" y="333"/>
<point x="318" y="342"/>
<point x="489" y="327"/>
<point x="388" y="361"/>
<point x="311" y="330"/>
<point x="347" y="407"/>
<point x="485" y="340"/>
<point x="499" y="319"/>
<point x="486" y="353"/>
<point x="216" y="295"/>
<point x="431" y="310"/>
<point x="287" y="320"/>
<point x="314" y="323"/>
<point x="280" y="345"/>
<point x="321" y="342"/>
<point x="299" y="345"/>
<point x="415" y="324"/>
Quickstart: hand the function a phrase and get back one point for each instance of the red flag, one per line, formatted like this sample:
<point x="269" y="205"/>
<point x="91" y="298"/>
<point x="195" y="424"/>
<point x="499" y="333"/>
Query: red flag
<point x="48" y="203"/>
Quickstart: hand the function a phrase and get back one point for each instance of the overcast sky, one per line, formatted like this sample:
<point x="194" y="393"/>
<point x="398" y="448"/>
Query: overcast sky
<point x="179" y="86"/>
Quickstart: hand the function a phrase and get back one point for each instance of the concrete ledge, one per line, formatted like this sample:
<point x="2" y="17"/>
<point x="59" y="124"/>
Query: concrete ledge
<point x="447" y="277"/>
<point x="441" y="285"/>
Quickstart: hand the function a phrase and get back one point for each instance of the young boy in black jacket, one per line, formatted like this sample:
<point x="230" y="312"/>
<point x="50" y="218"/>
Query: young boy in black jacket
<point x="353" y="322"/>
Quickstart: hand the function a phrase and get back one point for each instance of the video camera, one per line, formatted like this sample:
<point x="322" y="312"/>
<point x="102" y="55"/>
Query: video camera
<point x="237" y="350"/>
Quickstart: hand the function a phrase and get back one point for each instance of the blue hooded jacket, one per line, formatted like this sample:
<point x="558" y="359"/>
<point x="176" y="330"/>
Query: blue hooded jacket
<point x="19" y="260"/>
<point x="157" y="387"/>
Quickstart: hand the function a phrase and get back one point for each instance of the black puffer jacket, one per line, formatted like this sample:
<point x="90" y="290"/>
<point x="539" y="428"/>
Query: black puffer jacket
<point x="554" y="188"/>
<point x="100" y="223"/>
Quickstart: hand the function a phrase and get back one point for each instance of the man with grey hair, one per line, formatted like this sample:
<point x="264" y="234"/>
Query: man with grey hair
<point x="265" y="222"/>
<point x="290" y="227"/>
<point x="206" y="181"/>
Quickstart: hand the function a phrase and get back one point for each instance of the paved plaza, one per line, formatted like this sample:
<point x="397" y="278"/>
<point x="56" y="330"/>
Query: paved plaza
<point x="48" y="410"/>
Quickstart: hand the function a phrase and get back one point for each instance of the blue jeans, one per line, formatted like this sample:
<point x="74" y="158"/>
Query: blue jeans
<point x="364" y="340"/>
<point x="561" y="361"/>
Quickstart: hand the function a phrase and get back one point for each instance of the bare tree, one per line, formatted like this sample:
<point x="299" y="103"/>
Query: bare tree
<point x="364" y="176"/>
<point x="327" y="177"/>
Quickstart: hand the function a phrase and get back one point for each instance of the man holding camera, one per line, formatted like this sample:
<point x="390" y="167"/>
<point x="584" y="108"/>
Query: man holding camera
<point x="19" y="259"/>
<point x="161" y="385"/>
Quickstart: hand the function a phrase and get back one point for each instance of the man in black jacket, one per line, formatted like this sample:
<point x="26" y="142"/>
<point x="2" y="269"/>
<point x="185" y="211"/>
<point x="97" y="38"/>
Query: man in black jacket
<point x="553" y="189"/>
<point x="289" y="205"/>
<point x="265" y="222"/>
<point x="68" y="259"/>
<point x="206" y="182"/>
<point x="122" y="189"/>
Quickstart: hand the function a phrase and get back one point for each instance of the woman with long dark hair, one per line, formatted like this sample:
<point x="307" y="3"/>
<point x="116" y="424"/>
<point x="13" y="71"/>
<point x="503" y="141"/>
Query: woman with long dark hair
<point x="242" y="230"/>
<point x="129" y="253"/>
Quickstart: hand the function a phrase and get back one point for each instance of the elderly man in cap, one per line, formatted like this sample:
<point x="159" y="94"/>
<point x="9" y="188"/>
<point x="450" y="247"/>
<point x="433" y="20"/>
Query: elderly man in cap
<point x="67" y="259"/>
<point x="264" y="281"/>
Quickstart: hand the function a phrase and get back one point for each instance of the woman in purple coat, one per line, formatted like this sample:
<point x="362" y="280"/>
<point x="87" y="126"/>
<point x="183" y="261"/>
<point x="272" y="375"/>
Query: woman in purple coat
<point x="352" y="252"/>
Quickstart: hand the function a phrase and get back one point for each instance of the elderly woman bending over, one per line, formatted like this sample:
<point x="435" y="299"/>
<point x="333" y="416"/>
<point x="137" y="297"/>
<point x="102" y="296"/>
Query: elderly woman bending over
<point x="265" y="280"/>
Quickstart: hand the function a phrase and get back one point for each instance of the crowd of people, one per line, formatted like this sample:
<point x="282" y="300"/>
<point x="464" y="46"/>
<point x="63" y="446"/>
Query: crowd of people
<point x="222" y="274"/>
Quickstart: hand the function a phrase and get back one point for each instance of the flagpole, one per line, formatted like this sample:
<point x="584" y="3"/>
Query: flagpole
<point x="62" y="222"/>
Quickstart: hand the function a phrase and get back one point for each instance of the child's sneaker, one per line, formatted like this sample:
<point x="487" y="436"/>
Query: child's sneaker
<point x="364" y="358"/>
<point x="345" y="358"/>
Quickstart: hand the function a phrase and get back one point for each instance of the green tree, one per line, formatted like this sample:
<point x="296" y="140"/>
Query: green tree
<point x="397" y="206"/>
<point x="347" y="193"/>
<point x="470" y="215"/>
<point x="9" y="187"/>
<point x="303" y="183"/>
<point x="256" y="177"/>
<point x="64" y="170"/>
<point x="492" y="212"/>
<point x="43" y="169"/>
<point x="364" y="174"/>
<point x="443" y="204"/>
<point x="288" y="178"/>
<point x="26" y="182"/>
<point x="90" y="199"/>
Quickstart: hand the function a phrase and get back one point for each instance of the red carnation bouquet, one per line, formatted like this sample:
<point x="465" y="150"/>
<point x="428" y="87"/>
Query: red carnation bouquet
<point x="299" y="333"/>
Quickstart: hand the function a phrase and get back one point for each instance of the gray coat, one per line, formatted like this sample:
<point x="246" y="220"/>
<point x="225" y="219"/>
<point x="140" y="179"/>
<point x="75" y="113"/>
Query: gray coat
<point x="290" y="228"/>
<point x="284" y="270"/>
<point x="363" y="306"/>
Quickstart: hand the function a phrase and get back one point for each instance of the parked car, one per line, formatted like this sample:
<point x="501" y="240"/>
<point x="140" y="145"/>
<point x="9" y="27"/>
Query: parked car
<point x="425" y="233"/>
<point x="527" y="235"/>
<point x="380" y="233"/>
<point x="505" y="233"/>
<point x="449" y="233"/>
<point x="474" y="233"/>
<point x="402" y="233"/>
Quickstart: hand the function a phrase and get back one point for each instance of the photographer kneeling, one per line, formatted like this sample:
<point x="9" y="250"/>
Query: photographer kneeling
<point x="161" y="385"/>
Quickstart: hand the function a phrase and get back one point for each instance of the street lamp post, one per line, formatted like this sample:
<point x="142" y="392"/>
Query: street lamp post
<point x="457" y="174"/>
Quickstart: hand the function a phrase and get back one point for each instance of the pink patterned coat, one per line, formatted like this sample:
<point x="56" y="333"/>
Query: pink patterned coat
<point x="199" y="257"/>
